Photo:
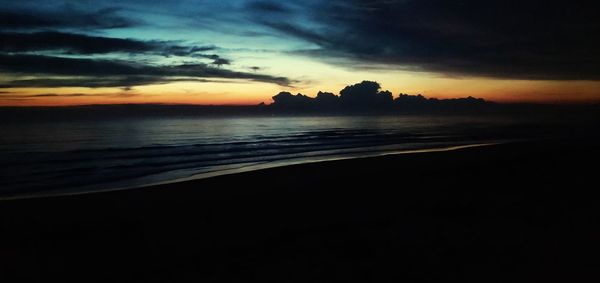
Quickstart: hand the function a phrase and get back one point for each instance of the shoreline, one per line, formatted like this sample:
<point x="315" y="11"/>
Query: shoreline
<point x="251" y="168"/>
<point x="478" y="214"/>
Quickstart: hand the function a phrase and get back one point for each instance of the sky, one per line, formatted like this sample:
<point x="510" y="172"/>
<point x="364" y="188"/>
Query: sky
<point x="239" y="52"/>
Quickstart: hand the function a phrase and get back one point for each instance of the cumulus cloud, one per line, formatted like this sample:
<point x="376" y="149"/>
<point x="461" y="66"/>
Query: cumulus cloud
<point x="367" y="97"/>
<point x="365" y="94"/>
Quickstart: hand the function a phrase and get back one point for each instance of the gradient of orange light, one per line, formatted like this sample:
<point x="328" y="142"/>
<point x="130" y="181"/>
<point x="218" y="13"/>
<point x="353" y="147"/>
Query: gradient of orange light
<point x="237" y="92"/>
<point x="503" y="91"/>
<point x="218" y="93"/>
<point x="514" y="91"/>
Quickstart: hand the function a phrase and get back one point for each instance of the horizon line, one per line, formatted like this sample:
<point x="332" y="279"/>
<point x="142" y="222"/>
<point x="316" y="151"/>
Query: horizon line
<point x="262" y="104"/>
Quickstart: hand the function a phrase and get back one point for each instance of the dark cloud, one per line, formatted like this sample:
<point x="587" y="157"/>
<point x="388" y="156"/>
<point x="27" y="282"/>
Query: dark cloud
<point x="525" y="39"/>
<point x="208" y="56"/>
<point x="168" y="48"/>
<point x="365" y="94"/>
<point x="203" y="48"/>
<point x="300" y="32"/>
<point x="56" y="46"/>
<point x="126" y="83"/>
<point x="97" y="73"/>
<point x="17" y="96"/>
<point x="366" y="97"/>
<point x="72" y="43"/>
<point x="289" y="102"/>
<point x="58" y="95"/>
<point x="327" y="100"/>
<point x="21" y="96"/>
<point x="65" y="17"/>
<point x="221" y="61"/>
<point x="267" y="7"/>
<point x="90" y="82"/>
<point x="217" y="60"/>
<point x="47" y="65"/>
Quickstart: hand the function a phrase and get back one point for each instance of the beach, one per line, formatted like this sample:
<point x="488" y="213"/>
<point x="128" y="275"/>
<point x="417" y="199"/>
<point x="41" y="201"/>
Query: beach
<point x="511" y="212"/>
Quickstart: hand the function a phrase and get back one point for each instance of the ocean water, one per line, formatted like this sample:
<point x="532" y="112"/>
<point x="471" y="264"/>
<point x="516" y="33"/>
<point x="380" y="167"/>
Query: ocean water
<point x="78" y="156"/>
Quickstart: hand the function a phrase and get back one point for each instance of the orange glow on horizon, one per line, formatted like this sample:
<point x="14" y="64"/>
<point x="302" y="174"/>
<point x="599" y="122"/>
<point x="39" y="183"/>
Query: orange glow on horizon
<point x="252" y="93"/>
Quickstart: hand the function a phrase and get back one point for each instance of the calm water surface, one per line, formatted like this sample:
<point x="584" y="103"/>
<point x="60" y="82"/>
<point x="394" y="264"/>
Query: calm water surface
<point x="96" y="155"/>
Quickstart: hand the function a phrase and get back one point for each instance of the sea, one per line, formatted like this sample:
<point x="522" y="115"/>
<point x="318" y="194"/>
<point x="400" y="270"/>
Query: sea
<point x="78" y="156"/>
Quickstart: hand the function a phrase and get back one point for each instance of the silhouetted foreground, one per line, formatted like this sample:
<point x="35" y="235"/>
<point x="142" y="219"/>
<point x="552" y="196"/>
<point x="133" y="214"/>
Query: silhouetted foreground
<point x="516" y="212"/>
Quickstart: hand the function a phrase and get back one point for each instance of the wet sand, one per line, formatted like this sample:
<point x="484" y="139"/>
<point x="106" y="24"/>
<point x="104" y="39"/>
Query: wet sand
<point x="513" y="212"/>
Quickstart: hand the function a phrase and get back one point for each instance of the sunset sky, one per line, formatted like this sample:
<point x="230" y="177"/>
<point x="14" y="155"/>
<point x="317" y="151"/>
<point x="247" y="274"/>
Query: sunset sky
<point x="245" y="51"/>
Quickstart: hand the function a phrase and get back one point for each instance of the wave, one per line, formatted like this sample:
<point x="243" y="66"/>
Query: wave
<point x="93" y="164"/>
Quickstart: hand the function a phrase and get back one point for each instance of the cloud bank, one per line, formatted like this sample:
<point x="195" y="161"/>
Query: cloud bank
<point x="65" y="46"/>
<point x="131" y="43"/>
<point x="531" y="39"/>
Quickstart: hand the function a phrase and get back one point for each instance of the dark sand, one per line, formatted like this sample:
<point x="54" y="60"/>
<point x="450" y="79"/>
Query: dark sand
<point x="516" y="212"/>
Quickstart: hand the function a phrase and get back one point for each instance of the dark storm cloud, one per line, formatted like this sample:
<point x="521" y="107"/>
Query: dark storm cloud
<point x="525" y="39"/>
<point x="63" y="17"/>
<point x="113" y="73"/>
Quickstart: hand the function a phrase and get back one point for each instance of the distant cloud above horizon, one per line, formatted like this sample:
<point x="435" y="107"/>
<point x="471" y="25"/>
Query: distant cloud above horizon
<point x="425" y="45"/>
